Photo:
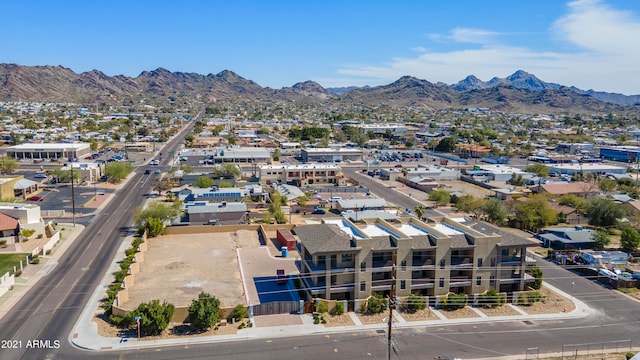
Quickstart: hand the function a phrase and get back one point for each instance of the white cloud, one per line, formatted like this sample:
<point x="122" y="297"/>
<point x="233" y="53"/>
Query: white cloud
<point x="466" y="35"/>
<point x="600" y="54"/>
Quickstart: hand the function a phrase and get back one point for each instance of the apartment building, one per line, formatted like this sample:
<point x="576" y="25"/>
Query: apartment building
<point x="302" y="175"/>
<point x="343" y="260"/>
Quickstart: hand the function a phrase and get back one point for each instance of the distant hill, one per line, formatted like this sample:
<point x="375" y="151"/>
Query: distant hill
<point x="520" y="92"/>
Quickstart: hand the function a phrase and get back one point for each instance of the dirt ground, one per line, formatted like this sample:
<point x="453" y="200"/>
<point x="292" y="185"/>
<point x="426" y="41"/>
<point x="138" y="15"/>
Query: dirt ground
<point x="338" y="320"/>
<point x="463" y="313"/>
<point x="176" y="268"/>
<point x="373" y="318"/>
<point x="552" y="303"/>
<point x="420" y="315"/>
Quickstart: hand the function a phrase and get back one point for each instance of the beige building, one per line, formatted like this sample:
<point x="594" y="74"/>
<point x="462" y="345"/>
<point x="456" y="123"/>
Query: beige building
<point x="90" y="172"/>
<point x="49" y="151"/>
<point x="343" y="260"/>
<point x="302" y="175"/>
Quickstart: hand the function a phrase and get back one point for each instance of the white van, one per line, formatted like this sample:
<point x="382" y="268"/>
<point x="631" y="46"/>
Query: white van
<point x="335" y="198"/>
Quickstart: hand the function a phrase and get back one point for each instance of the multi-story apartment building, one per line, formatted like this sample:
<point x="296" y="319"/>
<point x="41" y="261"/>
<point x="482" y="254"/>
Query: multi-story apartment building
<point x="343" y="260"/>
<point x="302" y="175"/>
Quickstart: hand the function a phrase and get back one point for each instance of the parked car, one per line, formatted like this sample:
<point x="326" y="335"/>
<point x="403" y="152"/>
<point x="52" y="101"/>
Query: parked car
<point x="158" y="171"/>
<point x="319" y="211"/>
<point x="40" y="176"/>
<point x="35" y="198"/>
<point x="147" y="172"/>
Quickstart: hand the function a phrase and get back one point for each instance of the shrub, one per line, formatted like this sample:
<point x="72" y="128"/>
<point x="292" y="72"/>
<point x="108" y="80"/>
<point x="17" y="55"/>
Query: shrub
<point x="17" y="273"/>
<point x="40" y="236"/>
<point x="48" y="252"/>
<point x="322" y="307"/>
<point x="35" y="261"/>
<point x="154" y="316"/>
<point x="3" y="242"/>
<point x="455" y="301"/>
<point x="239" y="312"/>
<point x="376" y="304"/>
<point x="204" y="311"/>
<point x="414" y="303"/>
<point x="491" y="298"/>
<point x="120" y="275"/>
<point x="130" y="252"/>
<point x="115" y="319"/>
<point x="339" y="309"/>
<point x="534" y="297"/>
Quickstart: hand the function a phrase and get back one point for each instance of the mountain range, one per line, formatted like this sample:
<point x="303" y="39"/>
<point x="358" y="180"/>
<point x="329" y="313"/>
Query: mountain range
<point x="520" y="92"/>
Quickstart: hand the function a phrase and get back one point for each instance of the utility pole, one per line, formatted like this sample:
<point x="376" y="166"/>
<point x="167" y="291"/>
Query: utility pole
<point x="73" y="197"/>
<point x="392" y="304"/>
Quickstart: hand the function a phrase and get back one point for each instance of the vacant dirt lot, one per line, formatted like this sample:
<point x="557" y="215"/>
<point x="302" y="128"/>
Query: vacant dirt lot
<point x="177" y="268"/>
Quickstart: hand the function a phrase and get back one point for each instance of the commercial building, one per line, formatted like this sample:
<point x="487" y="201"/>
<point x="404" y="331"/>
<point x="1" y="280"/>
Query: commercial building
<point x="330" y="154"/>
<point x="344" y="260"/>
<point x="53" y="151"/>
<point x="90" y="172"/>
<point x="627" y="154"/>
<point x="224" y="213"/>
<point x="302" y="175"/>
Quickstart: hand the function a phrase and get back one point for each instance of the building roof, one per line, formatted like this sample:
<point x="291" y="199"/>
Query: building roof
<point x="24" y="184"/>
<point x="508" y="237"/>
<point x="216" y="208"/>
<point x="8" y="223"/>
<point x="49" y="146"/>
<point x="361" y="203"/>
<point x="569" y="188"/>
<point x="321" y="238"/>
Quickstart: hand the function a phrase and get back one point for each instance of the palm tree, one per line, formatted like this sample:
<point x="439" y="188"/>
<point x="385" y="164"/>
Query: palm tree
<point x="419" y="210"/>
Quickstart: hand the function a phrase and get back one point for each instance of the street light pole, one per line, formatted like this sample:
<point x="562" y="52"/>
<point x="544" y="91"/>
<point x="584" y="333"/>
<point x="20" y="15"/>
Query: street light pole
<point x="73" y="197"/>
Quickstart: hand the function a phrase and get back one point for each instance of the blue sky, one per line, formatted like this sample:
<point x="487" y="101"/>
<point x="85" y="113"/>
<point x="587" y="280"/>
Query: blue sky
<point x="591" y="44"/>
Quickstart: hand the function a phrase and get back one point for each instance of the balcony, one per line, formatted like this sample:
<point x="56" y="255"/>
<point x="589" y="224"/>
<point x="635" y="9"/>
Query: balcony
<point x="423" y="283"/>
<point x="322" y="268"/>
<point x="511" y="260"/>
<point x="422" y="264"/>
<point x="381" y="285"/>
<point x="462" y="262"/>
<point x="339" y="288"/>
<point x="382" y="266"/>
<point x="457" y="281"/>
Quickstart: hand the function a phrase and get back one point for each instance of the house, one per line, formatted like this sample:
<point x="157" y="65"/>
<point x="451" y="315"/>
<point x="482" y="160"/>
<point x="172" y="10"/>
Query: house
<point x="565" y="238"/>
<point x="571" y="214"/>
<point x="348" y="260"/>
<point x="9" y="229"/>
<point x="224" y="213"/>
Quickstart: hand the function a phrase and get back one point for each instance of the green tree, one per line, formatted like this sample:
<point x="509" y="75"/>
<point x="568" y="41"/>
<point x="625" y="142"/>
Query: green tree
<point x="441" y="197"/>
<point x="8" y="164"/>
<point x="227" y="171"/>
<point x="600" y="239"/>
<point x="204" y="311"/>
<point x="225" y="184"/>
<point x="64" y="176"/>
<point x="186" y="168"/>
<point x="276" y="155"/>
<point x="154" y="317"/>
<point x="535" y="213"/>
<point x="629" y="240"/>
<point x="496" y="211"/>
<point x="239" y="312"/>
<point x="517" y="180"/>
<point x="604" y="212"/>
<point x="539" y="169"/>
<point x="419" y="210"/>
<point x="470" y="204"/>
<point x="447" y="144"/>
<point x="607" y="185"/>
<point x="204" y="182"/>
<point x="118" y="170"/>
<point x="156" y="210"/>
<point x="154" y="226"/>
<point x="573" y="201"/>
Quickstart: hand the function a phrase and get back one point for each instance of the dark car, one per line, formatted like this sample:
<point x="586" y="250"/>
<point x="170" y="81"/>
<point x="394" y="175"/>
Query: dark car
<point x="148" y="171"/>
<point x="319" y="211"/>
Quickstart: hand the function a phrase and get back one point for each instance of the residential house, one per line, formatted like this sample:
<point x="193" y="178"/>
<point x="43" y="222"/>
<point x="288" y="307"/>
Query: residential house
<point x="223" y="213"/>
<point x="565" y="238"/>
<point x="9" y="229"/>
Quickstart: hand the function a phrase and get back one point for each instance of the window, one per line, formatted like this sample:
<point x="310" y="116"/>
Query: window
<point x="347" y="258"/>
<point x="478" y="280"/>
<point x="442" y="262"/>
<point x="403" y="284"/>
<point x="493" y="262"/>
<point x="404" y="265"/>
<point x="363" y="286"/>
<point x="363" y="266"/>
<point x="479" y="262"/>
<point x="321" y="260"/>
<point x="441" y="282"/>
<point x="492" y="281"/>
